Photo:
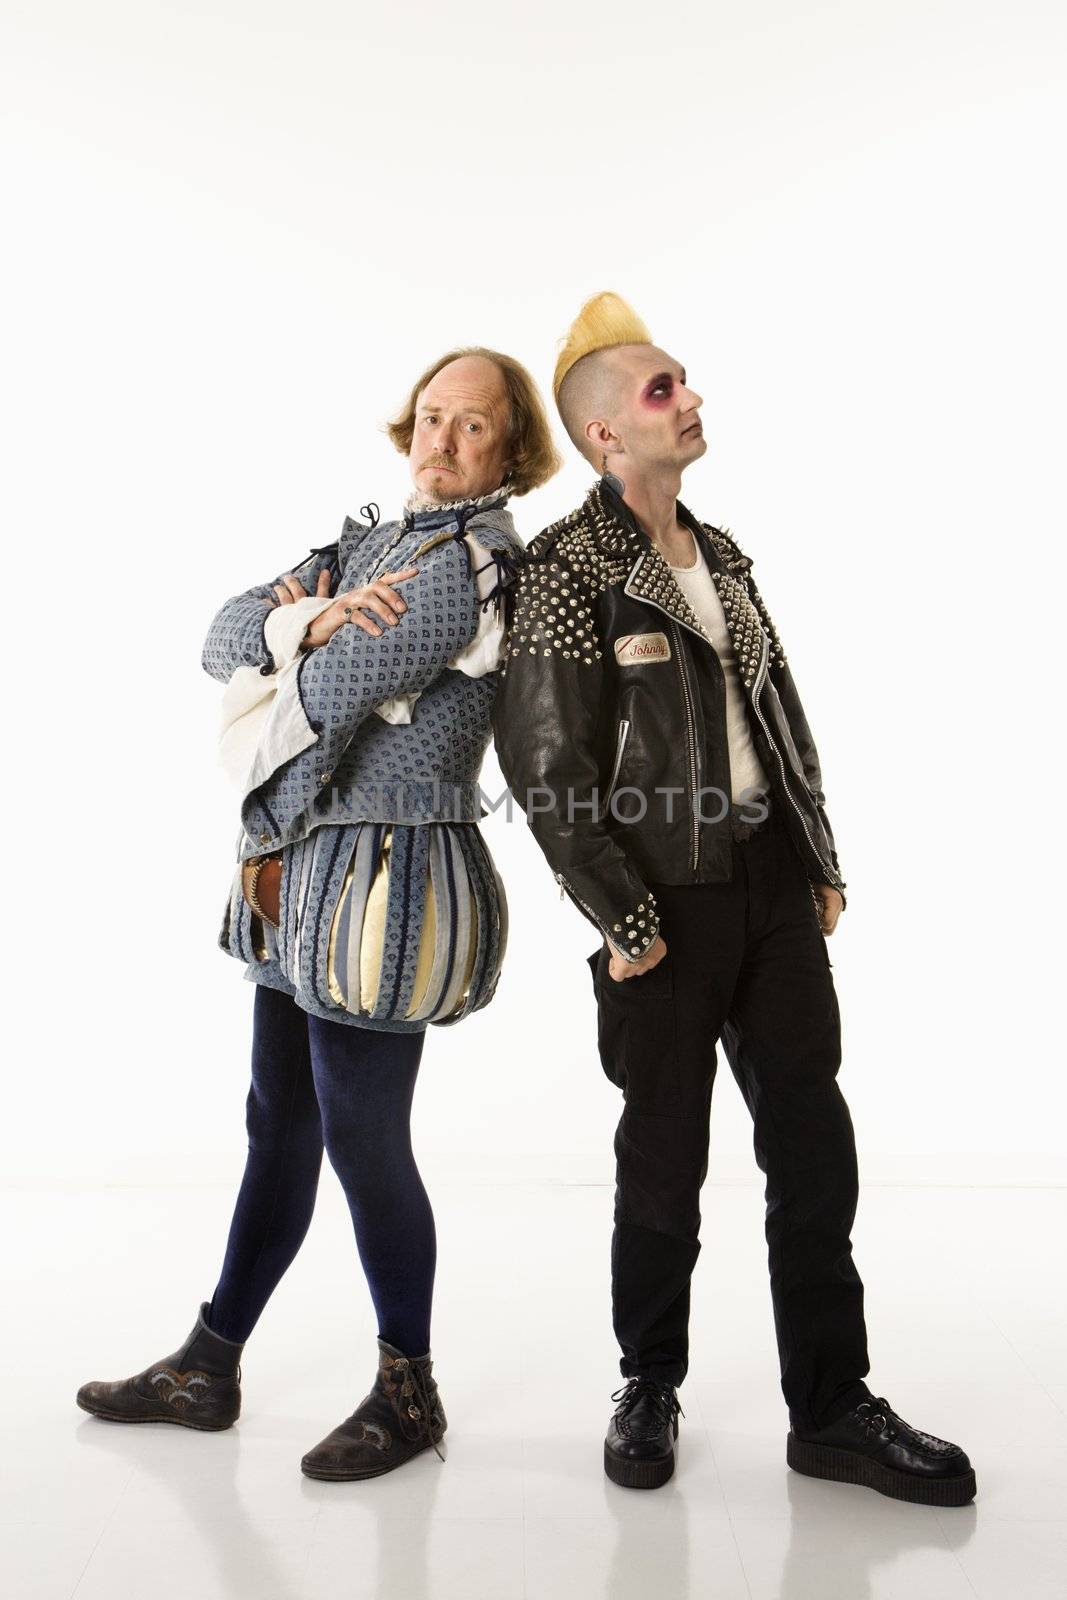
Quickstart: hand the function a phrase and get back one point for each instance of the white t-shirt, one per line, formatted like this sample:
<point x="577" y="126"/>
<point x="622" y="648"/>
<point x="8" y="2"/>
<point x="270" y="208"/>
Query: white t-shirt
<point x="698" y="586"/>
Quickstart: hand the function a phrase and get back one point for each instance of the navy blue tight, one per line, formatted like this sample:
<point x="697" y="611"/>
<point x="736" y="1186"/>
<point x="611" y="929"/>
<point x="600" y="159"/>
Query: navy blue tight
<point x="317" y="1083"/>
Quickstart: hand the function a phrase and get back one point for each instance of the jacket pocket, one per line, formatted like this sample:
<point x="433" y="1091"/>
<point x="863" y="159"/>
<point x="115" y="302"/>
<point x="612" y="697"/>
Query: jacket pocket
<point x="620" y="747"/>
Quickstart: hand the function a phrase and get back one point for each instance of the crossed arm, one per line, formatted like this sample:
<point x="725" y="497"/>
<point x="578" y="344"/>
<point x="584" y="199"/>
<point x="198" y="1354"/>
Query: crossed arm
<point x="236" y="636"/>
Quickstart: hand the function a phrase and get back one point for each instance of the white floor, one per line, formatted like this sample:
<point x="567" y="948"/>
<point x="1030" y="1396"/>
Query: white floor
<point x="967" y="1341"/>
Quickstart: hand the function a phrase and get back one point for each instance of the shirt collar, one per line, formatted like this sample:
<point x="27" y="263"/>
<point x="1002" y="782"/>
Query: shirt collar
<point x="423" y="513"/>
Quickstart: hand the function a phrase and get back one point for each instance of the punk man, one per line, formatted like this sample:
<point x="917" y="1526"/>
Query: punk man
<point x="649" y="725"/>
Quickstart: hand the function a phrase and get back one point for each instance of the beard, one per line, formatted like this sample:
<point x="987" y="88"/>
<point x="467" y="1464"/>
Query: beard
<point x="439" y="492"/>
<point x="443" y="488"/>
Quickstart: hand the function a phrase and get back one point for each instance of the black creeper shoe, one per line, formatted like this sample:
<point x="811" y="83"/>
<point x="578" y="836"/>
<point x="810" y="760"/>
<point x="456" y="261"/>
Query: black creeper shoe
<point x="873" y="1446"/>
<point x="642" y="1435"/>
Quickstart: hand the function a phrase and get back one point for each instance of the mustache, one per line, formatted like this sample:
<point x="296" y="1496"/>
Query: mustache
<point x="437" y="460"/>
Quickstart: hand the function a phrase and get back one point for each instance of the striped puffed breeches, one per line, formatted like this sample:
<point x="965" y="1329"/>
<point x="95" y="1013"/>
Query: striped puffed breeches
<point x="382" y="925"/>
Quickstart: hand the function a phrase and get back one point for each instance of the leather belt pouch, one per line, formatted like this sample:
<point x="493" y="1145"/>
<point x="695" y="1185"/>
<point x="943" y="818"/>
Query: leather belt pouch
<point x="268" y="886"/>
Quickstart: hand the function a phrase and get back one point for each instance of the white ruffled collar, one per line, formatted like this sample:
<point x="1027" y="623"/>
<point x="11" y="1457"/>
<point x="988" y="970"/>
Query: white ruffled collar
<point x="418" y="501"/>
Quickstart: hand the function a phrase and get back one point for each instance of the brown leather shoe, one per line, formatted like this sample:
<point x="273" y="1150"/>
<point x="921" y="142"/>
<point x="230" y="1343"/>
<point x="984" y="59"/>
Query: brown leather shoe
<point x="198" y="1386"/>
<point x="401" y="1416"/>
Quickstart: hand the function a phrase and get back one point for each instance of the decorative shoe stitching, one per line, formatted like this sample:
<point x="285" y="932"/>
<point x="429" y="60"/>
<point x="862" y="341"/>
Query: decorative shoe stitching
<point x="177" y="1388"/>
<point x="665" y="1408"/>
<point x="376" y="1435"/>
<point x="879" y="1415"/>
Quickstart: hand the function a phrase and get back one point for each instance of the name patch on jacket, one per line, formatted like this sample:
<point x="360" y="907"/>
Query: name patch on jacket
<point x="636" y="648"/>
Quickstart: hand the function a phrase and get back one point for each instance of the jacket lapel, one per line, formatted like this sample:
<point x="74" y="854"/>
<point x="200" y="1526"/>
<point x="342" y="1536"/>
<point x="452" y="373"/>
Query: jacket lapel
<point x="651" y="580"/>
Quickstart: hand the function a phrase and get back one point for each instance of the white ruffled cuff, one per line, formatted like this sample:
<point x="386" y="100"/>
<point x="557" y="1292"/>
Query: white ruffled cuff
<point x="287" y="623"/>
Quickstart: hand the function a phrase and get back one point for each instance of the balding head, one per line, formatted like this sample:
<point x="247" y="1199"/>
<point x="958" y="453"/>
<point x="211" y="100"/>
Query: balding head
<point x="492" y="400"/>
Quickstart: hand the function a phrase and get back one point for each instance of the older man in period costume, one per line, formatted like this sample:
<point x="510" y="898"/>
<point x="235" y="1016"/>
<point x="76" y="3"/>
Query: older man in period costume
<point x="364" y="903"/>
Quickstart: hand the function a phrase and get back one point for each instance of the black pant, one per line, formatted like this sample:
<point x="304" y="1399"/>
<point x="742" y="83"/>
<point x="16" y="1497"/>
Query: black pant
<point x="747" y="964"/>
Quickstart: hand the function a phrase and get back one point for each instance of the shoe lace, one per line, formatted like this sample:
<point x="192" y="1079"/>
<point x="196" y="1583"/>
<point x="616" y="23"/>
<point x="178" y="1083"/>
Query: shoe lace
<point x="414" y="1381"/>
<point x="664" y="1400"/>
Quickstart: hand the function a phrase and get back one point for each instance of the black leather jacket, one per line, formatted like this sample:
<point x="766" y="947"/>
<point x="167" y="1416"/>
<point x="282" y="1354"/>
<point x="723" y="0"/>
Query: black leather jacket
<point x="610" y="718"/>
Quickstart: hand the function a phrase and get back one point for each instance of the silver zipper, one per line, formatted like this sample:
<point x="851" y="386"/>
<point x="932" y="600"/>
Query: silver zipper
<point x="624" y="729"/>
<point x="761" y="677"/>
<point x="690" y="748"/>
<point x="563" y="884"/>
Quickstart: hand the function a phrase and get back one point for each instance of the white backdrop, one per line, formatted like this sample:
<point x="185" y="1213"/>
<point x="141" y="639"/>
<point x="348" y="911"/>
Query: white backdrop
<point x="236" y="232"/>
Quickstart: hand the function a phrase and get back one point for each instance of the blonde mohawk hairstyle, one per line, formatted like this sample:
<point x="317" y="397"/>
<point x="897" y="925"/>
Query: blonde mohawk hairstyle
<point x="604" y="320"/>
